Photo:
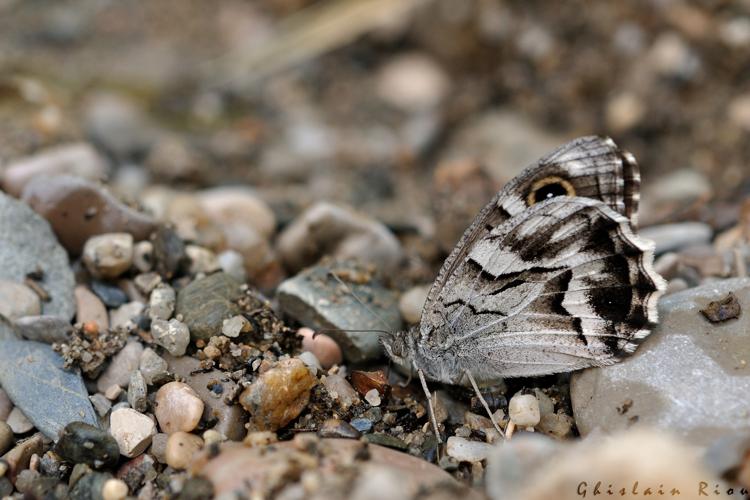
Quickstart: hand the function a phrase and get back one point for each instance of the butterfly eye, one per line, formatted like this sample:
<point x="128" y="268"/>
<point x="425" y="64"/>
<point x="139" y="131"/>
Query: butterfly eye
<point x="547" y="188"/>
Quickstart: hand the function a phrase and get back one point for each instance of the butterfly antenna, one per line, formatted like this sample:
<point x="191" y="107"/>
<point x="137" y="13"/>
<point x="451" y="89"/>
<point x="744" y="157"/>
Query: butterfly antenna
<point x="365" y="306"/>
<point x="334" y="330"/>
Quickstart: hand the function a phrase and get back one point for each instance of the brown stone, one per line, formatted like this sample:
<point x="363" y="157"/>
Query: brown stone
<point x="18" y="457"/>
<point x="78" y="209"/>
<point x="364" y="382"/>
<point x="178" y="407"/>
<point x="279" y="395"/>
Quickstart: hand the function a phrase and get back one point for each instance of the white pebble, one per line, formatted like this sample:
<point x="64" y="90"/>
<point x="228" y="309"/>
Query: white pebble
<point x="235" y="325"/>
<point x="373" y="397"/>
<point x="132" y="431"/>
<point x="233" y="264"/>
<point x="311" y="361"/>
<point x="143" y="256"/>
<point x="161" y="302"/>
<point x="465" y="450"/>
<point x="524" y="410"/>
<point x="411" y="303"/>
<point x="172" y="335"/>
<point x="108" y="255"/>
<point x="114" y="489"/>
<point x="202" y="260"/>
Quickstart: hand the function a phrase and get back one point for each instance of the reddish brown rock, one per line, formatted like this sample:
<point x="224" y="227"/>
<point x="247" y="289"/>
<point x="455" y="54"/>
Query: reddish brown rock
<point x="279" y="395"/>
<point x="18" y="457"/>
<point x="78" y="209"/>
<point x="364" y="382"/>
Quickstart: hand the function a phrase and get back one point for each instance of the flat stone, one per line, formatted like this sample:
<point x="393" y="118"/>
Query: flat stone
<point x="690" y="377"/>
<point x="17" y="300"/>
<point x="228" y="419"/>
<point x="122" y="365"/>
<point x="84" y="443"/>
<point x="132" y="431"/>
<point x="335" y="428"/>
<point x="89" y="309"/>
<point x="340" y="389"/>
<point x="78" y="209"/>
<point x="279" y="395"/>
<point x="79" y="159"/>
<point x="207" y="302"/>
<point x="178" y="407"/>
<point x="152" y="366"/>
<point x="47" y="329"/>
<point x="317" y="300"/>
<point x="33" y="375"/>
<point x="29" y="246"/>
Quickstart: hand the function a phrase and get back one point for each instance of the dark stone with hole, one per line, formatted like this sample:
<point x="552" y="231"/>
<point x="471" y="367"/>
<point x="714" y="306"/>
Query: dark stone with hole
<point x="722" y="310"/>
<point x="83" y="443"/>
<point x="111" y="295"/>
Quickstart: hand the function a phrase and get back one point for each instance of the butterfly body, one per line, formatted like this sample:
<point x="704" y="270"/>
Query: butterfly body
<point x="550" y="277"/>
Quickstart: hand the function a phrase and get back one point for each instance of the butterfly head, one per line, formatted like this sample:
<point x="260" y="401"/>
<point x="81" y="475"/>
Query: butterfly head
<point x="399" y="346"/>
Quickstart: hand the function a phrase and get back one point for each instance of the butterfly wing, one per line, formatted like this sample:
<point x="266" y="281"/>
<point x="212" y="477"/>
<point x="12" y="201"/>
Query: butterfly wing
<point x="546" y="285"/>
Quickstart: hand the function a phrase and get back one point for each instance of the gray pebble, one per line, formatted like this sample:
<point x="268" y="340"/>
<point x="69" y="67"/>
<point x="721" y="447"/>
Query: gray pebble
<point x="84" y="443"/>
<point x="138" y="392"/>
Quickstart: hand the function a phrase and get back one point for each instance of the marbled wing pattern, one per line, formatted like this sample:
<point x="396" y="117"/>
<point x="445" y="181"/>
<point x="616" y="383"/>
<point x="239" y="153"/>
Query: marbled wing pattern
<point x="545" y="286"/>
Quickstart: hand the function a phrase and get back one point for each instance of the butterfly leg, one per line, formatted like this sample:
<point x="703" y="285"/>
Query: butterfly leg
<point x="408" y="380"/>
<point x="430" y="405"/>
<point x="484" y="402"/>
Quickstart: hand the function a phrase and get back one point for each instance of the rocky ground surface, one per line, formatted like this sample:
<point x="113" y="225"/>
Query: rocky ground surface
<point x="208" y="211"/>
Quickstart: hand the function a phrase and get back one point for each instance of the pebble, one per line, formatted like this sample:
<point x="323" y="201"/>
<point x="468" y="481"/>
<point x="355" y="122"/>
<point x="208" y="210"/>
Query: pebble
<point x="178" y="407"/>
<point x="363" y="425"/>
<point x="364" y="381"/>
<point x="119" y="369"/>
<point x="229" y="418"/>
<point x="147" y="282"/>
<point x="558" y="425"/>
<point x="32" y="375"/>
<point x="234" y="207"/>
<point x="30" y="246"/>
<point x="172" y="335"/>
<point x="6" y="437"/>
<point x="687" y="365"/>
<point x="181" y="446"/>
<point x="47" y="329"/>
<point x="169" y="252"/>
<point x="19" y="422"/>
<point x="78" y="209"/>
<point x="6" y="405"/>
<point x="212" y="436"/>
<point x="132" y="431"/>
<point x="108" y="255"/>
<point x="207" y="302"/>
<point x="114" y="489"/>
<point x="202" y="260"/>
<point x="137" y="471"/>
<point x="143" y="256"/>
<point x="237" y="467"/>
<point x="373" y="397"/>
<point x="412" y="82"/>
<point x="278" y="396"/>
<point x="335" y="428"/>
<point x="339" y="389"/>
<point x="112" y="296"/>
<point x="672" y="237"/>
<point x="231" y="262"/>
<point x="523" y="410"/>
<point x="411" y="302"/>
<point x="102" y="405"/>
<point x="311" y="362"/>
<point x="465" y="450"/>
<point x="534" y="467"/>
<point x="159" y="447"/>
<point x="18" y="300"/>
<point x="235" y="325"/>
<point x="152" y="366"/>
<point x="326" y="229"/>
<point x="77" y="159"/>
<point x="89" y="309"/>
<point x="19" y="456"/>
<point x="162" y="302"/>
<point x="138" y="392"/>
<point x="122" y="317"/>
<point x="387" y="440"/>
<point x="317" y="300"/>
<point x="84" y="443"/>
<point x="117" y="124"/>
<point x="325" y="349"/>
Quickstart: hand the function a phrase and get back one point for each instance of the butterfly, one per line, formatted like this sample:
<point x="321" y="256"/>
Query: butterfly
<point x="550" y="277"/>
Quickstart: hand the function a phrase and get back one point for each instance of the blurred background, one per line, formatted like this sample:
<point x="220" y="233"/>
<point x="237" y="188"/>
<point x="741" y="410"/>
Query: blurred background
<point x="413" y="111"/>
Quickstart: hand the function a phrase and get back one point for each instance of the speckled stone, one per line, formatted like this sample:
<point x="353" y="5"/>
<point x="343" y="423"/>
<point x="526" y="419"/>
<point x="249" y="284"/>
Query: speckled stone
<point x="80" y="442"/>
<point x="178" y="407"/>
<point x="207" y="302"/>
